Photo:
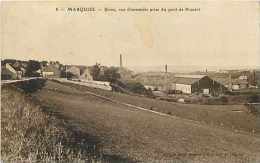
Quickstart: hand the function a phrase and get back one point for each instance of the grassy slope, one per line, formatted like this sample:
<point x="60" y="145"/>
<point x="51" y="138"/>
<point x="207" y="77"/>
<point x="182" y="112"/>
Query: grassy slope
<point x="141" y="135"/>
<point x="217" y="115"/>
<point x="29" y="132"/>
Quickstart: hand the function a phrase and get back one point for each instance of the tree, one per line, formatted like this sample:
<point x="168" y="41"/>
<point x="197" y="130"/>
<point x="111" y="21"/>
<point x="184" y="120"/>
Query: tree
<point x="95" y="71"/>
<point x="136" y="87"/>
<point x="11" y="61"/>
<point x="31" y="68"/>
<point x="253" y="98"/>
<point x="111" y="74"/>
<point x="44" y="63"/>
<point x="68" y="75"/>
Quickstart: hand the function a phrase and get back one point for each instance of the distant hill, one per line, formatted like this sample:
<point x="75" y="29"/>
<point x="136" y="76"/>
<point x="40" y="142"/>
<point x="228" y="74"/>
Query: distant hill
<point x="189" y="68"/>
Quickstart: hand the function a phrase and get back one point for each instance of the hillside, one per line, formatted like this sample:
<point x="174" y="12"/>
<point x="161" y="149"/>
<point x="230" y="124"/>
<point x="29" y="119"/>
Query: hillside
<point x="229" y="117"/>
<point x="33" y="132"/>
<point x="142" y="135"/>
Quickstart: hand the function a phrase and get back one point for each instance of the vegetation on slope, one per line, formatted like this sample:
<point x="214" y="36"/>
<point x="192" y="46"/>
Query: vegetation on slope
<point x="146" y="136"/>
<point x="28" y="133"/>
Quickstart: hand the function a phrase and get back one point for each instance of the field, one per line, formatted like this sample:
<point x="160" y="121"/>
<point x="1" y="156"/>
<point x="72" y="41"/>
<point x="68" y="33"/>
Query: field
<point x="192" y="132"/>
<point x="230" y="117"/>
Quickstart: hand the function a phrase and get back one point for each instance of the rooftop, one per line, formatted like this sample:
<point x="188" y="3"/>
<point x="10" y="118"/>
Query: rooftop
<point x="190" y="76"/>
<point x="182" y="80"/>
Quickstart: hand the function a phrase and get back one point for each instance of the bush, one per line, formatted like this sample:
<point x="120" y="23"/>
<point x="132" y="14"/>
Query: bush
<point x="253" y="98"/>
<point x="138" y="88"/>
<point x="224" y="99"/>
<point x="31" y="68"/>
<point x="110" y="74"/>
<point x="31" y="86"/>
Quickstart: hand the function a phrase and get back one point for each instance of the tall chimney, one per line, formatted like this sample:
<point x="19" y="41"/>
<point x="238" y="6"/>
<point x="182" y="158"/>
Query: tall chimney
<point x="230" y="82"/>
<point x="166" y="68"/>
<point x="121" y="61"/>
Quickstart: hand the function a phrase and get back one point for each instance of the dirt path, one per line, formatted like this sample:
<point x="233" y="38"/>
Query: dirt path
<point x="144" y="135"/>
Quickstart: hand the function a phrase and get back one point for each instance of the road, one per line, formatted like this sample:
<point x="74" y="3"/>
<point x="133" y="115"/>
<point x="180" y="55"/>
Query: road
<point x="3" y="82"/>
<point x="141" y="135"/>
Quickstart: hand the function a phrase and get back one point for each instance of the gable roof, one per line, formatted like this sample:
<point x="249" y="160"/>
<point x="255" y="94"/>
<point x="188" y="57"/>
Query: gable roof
<point x="9" y="67"/>
<point x="50" y="68"/>
<point x="191" y="76"/>
<point x="221" y="80"/>
<point x="187" y="79"/>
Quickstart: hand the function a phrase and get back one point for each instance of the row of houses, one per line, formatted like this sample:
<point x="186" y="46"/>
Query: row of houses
<point x="16" y="71"/>
<point x="70" y="71"/>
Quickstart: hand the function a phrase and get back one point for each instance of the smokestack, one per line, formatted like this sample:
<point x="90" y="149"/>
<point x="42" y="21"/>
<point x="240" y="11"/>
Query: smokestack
<point x="166" y="68"/>
<point x="121" y="61"/>
<point x="230" y="82"/>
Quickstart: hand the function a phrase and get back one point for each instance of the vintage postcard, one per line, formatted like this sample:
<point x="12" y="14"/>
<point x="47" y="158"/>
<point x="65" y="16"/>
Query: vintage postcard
<point x="130" y="81"/>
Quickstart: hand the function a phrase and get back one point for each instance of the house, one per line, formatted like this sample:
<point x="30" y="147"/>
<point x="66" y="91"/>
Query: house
<point x="50" y="70"/>
<point x="155" y="80"/>
<point x="239" y="84"/>
<point x="150" y="87"/>
<point x="233" y="84"/>
<point x="8" y="72"/>
<point x="74" y="71"/>
<point x="79" y="72"/>
<point x="243" y="77"/>
<point x="85" y="74"/>
<point x="190" y="84"/>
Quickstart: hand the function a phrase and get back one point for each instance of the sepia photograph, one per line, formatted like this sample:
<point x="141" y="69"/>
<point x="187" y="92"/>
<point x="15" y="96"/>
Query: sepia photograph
<point x="130" y="81"/>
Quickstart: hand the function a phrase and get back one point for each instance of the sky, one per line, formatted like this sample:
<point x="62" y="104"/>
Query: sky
<point x="220" y="34"/>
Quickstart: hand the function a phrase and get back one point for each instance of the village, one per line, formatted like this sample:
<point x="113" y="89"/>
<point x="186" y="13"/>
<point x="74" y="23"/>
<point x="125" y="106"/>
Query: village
<point x="111" y="103"/>
<point x="130" y="82"/>
<point x="193" y="87"/>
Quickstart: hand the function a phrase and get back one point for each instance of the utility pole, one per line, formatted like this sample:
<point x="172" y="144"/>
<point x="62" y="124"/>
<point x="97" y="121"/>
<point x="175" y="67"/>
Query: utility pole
<point x="230" y="82"/>
<point x="66" y="71"/>
<point x="121" y="61"/>
<point x="165" y="78"/>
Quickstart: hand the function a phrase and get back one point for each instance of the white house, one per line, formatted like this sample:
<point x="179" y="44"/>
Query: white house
<point x="9" y="73"/>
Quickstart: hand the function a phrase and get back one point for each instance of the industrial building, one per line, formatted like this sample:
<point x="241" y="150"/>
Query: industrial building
<point x="189" y="84"/>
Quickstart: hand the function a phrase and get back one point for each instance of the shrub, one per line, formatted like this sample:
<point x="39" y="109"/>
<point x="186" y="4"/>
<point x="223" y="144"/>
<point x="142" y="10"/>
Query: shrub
<point x="31" y="68"/>
<point x="31" y="85"/>
<point x="224" y="99"/>
<point x="138" y="88"/>
<point x="253" y="98"/>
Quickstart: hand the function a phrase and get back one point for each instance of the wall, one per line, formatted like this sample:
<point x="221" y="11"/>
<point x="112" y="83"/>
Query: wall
<point x="184" y="88"/>
<point x="93" y="84"/>
<point x="46" y="74"/>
